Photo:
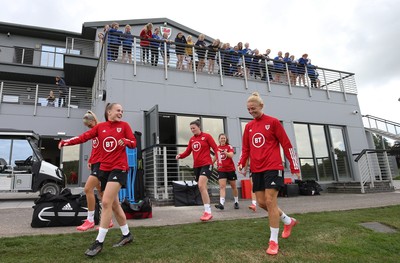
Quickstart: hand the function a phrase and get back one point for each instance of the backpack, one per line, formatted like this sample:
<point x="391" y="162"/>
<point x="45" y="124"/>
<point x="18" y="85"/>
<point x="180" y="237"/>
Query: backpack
<point x="64" y="209"/>
<point x="309" y="187"/>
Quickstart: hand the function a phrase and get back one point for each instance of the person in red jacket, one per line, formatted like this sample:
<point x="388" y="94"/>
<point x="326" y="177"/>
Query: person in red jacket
<point x="113" y="135"/>
<point x="262" y="139"/>
<point x="90" y="120"/>
<point x="145" y="35"/>
<point x="200" y="145"/>
<point x="226" y="172"/>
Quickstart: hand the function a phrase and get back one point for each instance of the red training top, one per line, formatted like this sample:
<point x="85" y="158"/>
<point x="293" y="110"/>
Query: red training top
<point x="200" y="145"/>
<point x="95" y="155"/>
<point x="113" y="156"/>
<point x="261" y="140"/>
<point x="227" y="164"/>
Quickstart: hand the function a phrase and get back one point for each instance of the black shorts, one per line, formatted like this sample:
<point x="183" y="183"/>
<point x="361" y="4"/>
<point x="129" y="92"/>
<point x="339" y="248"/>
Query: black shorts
<point x="202" y="171"/>
<point x="231" y="176"/>
<point x="95" y="169"/>
<point x="268" y="180"/>
<point x="112" y="176"/>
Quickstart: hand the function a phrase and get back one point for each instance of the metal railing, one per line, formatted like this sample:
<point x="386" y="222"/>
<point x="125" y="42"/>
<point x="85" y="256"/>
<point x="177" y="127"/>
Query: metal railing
<point x="226" y="64"/>
<point x="381" y="124"/>
<point x="161" y="168"/>
<point x="375" y="166"/>
<point x="36" y="95"/>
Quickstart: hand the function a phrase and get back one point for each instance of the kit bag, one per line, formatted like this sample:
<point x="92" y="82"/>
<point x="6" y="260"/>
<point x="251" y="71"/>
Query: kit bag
<point x="186" y="193"/>
<point x="64" y="209"/>
<point x="309" y="187"/>
<point x="140" y="210"/>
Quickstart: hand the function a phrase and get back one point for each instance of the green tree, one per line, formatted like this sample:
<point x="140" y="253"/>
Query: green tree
<point x="378" y="142"/>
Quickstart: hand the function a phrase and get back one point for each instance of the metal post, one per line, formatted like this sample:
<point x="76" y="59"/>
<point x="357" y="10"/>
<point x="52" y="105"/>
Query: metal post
<point x="267" y="75"/>
<point x="155" y="173"/>
<point x="245" y="73"/>
<point x="36" y="99"/>
<point x="134" y="55"/>
<point x="326" y="84"/>
<point x="220" y="69"/>
<point x="69" y="102"/>
<point x="288" y="78"/>
<point x="165" y="172"/>
<point x="1" y="92"/>
<point x="72" y="44"/>
<point x="342" y="86"/>
<point x="194" y="66"/>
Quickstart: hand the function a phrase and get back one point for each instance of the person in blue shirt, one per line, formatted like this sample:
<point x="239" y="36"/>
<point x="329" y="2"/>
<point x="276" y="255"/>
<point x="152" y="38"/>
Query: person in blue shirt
<point x="301" y="68"/>
<point x="114" y="41"/>
<point x="279" y="67"/>
<point x="312" y="74"/>
<point x="154" y="46"/>
<point x="63" y="91"/>
<point x="127" y="40"/>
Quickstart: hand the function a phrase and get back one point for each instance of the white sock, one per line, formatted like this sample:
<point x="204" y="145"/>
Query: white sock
<point x="236" y="199"/>
<point x="254" y="202"/>
<point x="207" y="208"/>
<point x="102" y="234"/>
<point x="124" y="229"/>
<point x="286" y="219"/>
<point x="274" y="234"/>
<point x="90" y="216"/>
<point x="222" y="200"/>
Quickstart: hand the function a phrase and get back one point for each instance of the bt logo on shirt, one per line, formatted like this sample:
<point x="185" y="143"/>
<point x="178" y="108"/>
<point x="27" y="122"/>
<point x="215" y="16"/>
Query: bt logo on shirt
<point x="109" y="144"/>
<point x="258" y="140"/>
<point x="196" y="146"/>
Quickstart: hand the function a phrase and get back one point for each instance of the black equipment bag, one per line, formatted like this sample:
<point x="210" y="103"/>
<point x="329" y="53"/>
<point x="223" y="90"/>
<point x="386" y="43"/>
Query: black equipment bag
<point x="140" y="210"/>
<point x="64" y="209"/>
<point x="309" y="187"/>
<point x="186" y="194"/>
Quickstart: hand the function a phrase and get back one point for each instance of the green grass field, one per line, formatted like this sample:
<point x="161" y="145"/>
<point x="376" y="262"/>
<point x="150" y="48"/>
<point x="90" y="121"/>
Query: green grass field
<point x="320" y="237"/>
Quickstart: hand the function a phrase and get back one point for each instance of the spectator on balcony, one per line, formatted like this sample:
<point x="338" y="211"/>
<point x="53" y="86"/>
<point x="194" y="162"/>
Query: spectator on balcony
<point x="287" y="61"/>
<point x="211" y="54"/>
<point x="164" y="48"/>
<point x="145" y="36"/>
<point x="51" y="99"/>
<point x="155" y="46"/>
<point x="292" y="70"/>
<point x="312" y="74"/>
<point x="269" y="64"/>
<point x="226" y="171"/>
<point x="200" y="144"/>
<point x="180" y="44"/>
<point x="301" y="68"/>
<point x="225" y="58"/>
<point x="279" y="67"/>
<point x="235" y="59"/>
<point x="201" y="51"/>
<point x="63" y="92"/>
<point x="255" y="66"/>
<point x="239" y="63"/>
<point x="248" y="56"/>
<point x="127" y="41"/>
<point x="189" y="52"/>
<point x="114" y="41"/>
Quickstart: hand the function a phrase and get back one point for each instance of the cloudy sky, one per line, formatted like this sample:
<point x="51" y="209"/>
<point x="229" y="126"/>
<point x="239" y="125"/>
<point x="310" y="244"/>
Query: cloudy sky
<point x="359" y="36"/>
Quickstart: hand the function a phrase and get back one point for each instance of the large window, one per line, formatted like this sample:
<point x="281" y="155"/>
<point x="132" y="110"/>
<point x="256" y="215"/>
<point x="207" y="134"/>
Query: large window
<point x="317" y="161"/>
<point x="53" y="57"/>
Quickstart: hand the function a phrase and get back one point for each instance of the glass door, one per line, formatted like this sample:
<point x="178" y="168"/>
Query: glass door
<point x="340" y="153"/>
<point x="70" y="163"/>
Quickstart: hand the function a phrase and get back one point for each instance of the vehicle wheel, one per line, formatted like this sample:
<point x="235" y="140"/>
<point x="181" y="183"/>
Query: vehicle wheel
<point x="52" y="188"/>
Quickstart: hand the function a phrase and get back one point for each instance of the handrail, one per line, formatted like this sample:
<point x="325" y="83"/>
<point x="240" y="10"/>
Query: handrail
<point x="359" y="155"/>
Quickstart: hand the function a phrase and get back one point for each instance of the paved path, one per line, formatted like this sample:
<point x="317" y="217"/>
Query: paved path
<point x="16" y="215"/>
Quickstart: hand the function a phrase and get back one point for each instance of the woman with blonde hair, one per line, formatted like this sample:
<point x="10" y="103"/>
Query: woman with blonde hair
<point x="189" y="52"/>
<point x="262" y="139"/>
<point x="114" y="136"/>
